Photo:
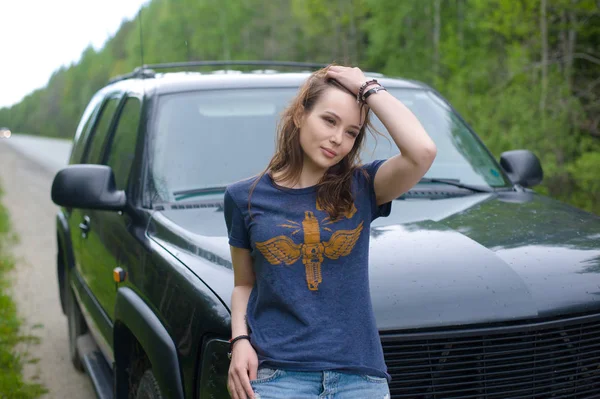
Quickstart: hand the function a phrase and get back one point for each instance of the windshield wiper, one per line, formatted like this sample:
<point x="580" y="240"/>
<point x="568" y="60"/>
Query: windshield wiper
<point x="451" y="182"/>
<point x="457" y="183"/>
<point x="199" y="191"/>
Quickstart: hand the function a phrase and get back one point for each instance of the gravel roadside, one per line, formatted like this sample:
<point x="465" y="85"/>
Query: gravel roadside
<point x="26" y="185"/>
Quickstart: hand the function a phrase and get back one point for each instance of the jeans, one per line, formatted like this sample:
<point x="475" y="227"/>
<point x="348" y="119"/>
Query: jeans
<point x="284" y="384"/>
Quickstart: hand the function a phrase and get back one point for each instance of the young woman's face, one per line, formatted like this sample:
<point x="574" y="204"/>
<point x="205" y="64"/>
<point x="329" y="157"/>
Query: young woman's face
<point x="329" y="130"/>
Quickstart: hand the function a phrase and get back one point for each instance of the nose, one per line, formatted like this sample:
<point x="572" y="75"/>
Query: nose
<point x="336" y="137"/>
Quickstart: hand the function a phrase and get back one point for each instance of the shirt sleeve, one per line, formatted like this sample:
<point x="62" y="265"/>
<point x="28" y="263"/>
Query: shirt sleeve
<point x="236" y="225"/>
<point x="382" y="210"/>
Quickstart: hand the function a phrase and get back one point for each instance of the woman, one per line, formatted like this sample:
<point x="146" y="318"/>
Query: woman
<point x="302" y="320"/>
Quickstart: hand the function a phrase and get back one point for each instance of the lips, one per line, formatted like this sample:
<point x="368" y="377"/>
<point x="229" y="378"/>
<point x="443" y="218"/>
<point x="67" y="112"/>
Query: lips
<point x="329" y="153"/>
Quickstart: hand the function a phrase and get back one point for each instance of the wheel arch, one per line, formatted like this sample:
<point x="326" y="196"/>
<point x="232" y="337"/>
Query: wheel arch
<point x="64" y="256"/>
<point x="136" y="323"/>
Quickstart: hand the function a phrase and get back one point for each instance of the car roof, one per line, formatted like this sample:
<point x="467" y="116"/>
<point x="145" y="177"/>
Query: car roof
<point x="177" y="82"/>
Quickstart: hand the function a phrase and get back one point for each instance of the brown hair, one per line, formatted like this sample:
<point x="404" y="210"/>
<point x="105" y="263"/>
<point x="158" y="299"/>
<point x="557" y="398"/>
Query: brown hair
<point x="334" y="192"/>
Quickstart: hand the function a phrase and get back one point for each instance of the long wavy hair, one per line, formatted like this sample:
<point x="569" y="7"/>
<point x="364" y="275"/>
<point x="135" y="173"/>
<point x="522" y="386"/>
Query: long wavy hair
<point x="334" y="191"/>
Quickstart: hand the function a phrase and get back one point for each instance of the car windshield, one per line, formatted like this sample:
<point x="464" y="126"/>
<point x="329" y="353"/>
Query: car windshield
<point x="212" y="138"/>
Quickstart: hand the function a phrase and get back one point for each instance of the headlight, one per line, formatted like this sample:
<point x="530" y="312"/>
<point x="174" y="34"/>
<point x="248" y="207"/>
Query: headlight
<point x="214" y="366"/>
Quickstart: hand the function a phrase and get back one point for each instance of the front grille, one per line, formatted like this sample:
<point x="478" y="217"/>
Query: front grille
<point x="552" y="359"/>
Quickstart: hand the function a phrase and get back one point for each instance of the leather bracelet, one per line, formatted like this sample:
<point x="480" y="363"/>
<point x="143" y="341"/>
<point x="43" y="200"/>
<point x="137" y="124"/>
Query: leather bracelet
<point x="362" y="88"/>
<point x="374" y="90"/>
<point x="233" y="341"/>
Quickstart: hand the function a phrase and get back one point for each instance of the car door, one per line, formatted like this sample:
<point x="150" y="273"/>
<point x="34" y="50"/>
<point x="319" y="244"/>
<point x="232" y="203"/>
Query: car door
<point x="86" y="145"/>
<point x="80" y="143"/>
<point x="86" y="225"/>
<point x="110" y="244"/>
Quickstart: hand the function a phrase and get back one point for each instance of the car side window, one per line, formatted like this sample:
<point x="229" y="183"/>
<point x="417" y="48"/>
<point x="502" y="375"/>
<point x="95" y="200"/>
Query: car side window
<point x="94" y="151"/>
<point x="81" y="135"/>
<point x="122" y="147"/>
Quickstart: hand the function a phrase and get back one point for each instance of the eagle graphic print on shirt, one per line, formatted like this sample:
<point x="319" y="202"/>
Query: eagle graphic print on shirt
<point x="283" y="249"/>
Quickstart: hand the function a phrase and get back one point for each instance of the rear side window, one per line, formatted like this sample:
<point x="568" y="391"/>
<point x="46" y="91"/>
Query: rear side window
<point x="94" y="152"/>
<point x="85" y="125"/>
<point x="122" y="147"/>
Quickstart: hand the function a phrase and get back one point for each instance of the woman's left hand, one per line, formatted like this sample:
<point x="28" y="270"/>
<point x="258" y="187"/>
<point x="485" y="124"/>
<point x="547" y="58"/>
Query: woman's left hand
<point x="350" y="78"/>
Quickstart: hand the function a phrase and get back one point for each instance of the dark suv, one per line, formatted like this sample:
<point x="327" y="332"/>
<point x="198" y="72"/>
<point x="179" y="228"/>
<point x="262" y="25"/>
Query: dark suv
<point x="481" y="287"/>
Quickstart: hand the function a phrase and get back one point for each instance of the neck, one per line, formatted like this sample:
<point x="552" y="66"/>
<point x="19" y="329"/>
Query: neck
<point x="309" y="176"/>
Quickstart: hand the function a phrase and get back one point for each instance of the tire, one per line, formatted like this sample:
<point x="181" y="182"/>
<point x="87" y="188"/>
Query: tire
<point x="148" y="387"/>
<point x="76" y="325"/>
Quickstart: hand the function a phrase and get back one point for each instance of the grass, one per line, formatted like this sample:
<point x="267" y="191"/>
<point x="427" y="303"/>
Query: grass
<point x="12" y="384"/>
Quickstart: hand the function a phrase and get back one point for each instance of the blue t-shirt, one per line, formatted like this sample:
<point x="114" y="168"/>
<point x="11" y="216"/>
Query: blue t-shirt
<point x="310" y="308"/>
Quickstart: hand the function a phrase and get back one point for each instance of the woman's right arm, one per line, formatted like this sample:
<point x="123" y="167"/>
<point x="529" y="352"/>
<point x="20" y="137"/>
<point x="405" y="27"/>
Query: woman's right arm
<point x="244" y="362"/>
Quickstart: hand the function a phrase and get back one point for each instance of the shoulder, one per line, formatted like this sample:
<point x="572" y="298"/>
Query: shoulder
<point x="240" y="190"/>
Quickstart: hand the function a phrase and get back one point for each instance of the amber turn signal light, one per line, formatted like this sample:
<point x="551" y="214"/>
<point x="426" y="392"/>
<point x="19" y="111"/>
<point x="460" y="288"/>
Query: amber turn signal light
<point x="119" y="275"/>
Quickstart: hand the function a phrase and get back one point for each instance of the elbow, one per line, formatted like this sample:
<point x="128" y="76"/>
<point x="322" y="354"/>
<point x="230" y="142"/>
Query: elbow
<point x="427" y="155"/>
<point x="431" y="152"/>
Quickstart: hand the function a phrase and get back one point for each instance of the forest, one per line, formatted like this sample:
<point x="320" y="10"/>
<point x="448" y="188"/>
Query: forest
<point x="523" y="73"/>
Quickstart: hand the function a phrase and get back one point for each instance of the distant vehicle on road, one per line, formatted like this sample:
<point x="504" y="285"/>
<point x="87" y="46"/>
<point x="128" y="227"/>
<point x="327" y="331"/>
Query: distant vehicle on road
<point x="4" y="133"/>
<point x="481" y="287"/>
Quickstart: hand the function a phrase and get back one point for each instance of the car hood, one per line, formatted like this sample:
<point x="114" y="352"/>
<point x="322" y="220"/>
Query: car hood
<point x="474" y="259"/>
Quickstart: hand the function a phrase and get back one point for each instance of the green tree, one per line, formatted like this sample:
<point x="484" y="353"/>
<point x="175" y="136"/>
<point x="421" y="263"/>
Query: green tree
<point x="524" y="74"/>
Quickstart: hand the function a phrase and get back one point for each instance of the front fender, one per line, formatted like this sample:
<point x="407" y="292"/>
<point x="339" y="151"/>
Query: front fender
<point x="140" y="320"/>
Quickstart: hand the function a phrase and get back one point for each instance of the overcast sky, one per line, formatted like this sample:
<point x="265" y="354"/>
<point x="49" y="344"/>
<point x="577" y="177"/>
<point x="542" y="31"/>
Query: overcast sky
<point x="38" y="36"/>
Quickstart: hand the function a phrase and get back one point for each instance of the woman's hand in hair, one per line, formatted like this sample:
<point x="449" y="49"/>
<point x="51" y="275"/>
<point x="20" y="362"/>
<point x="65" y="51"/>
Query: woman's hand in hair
<point x="242" y="369"/>
<point x="350" y="78"/>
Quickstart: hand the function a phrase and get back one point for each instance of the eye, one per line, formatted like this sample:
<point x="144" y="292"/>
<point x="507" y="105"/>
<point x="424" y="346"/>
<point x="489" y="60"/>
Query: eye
<point x="353" y="134"/>
<point x="331" y="121"/>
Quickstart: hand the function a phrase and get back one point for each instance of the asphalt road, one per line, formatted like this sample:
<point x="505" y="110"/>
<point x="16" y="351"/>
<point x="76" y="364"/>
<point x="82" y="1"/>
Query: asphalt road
<point x="51" y="154"/>
<point x="27" y="167"/>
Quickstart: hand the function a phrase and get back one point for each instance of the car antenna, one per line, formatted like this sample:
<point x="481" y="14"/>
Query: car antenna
<point x="141" y="39"/>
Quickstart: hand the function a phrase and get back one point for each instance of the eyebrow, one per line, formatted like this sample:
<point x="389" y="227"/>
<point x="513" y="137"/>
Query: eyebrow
<point x="340" y="119"/>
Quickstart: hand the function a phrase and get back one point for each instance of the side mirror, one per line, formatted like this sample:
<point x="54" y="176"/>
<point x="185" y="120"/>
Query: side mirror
<point x="87" y="187"/>
<point x="523" y="167"/>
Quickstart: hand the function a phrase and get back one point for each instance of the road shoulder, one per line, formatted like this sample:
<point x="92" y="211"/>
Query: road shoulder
<point x="27" y="198"/>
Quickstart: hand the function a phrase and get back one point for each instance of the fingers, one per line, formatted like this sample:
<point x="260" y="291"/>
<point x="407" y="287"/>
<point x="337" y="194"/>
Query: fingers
<point x="246" y="386"/>
<point x="342" y="79"/>
<point x="341" y="69"/>
<point x="252" y="375"/>
<point x="231" y="388"/>
<point x="253" y="369"/>
<point x="240" y="389"/>
<point x="239" y="385"/>
<point x="332" y="74"/>
<point x="338" y="71"/>
<point x="349" y="77"/>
